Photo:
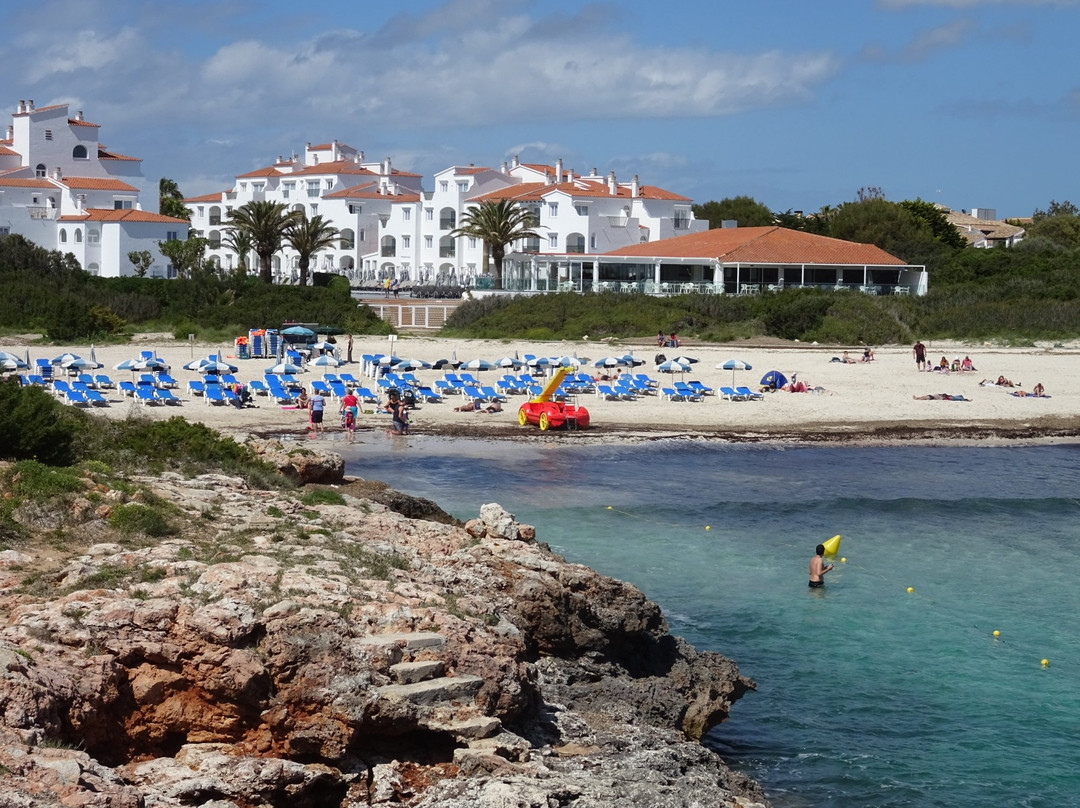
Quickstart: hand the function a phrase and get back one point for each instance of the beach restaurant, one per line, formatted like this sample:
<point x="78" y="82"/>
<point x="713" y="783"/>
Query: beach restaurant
<point x="732" y="261"/>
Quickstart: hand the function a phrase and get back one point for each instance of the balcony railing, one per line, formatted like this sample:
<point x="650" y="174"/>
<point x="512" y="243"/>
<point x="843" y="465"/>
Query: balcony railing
<point x="389" y="252"/>
<point x="446" y="224"/>
<point x="41" y="212"/>
<point x="681" y="224"/>
<point x="617" y="221"/>
<point x="447" y="252"/>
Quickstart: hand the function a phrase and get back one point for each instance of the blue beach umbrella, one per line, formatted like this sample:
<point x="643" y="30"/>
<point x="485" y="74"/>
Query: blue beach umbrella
<point x="16" y="362"/>
<point x="478" y="364"/>
<point x="610" y="362"/>
<point x="78" y="363"/>
<point x="411" y="364"/>
<point x="509" y="362"/>
<point x="673" y="366"/>
<point x="62" y="358"/>
<point x="297" y="331"/>
<point x="733" y="365"/>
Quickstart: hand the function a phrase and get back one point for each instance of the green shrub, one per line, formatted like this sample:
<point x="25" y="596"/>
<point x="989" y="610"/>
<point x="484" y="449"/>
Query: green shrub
<point x="322" y="496"/>
<point x="30" y="479"/>
<point x="137" y="518"/>
<point x="34" y="424"/>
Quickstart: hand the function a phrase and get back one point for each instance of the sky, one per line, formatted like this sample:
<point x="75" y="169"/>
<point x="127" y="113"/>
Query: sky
<point x="970" y="103"/>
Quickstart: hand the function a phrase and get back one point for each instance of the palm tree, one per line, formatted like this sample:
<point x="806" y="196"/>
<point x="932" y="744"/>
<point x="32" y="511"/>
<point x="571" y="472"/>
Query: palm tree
<point x="239" y="241"/>
<point x="309" y="236"/>
<point x="265" y="224"/>
<point x="497" y="223"/>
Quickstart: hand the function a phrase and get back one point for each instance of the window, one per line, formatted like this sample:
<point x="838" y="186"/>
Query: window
<point x="40" y="171"/>
<point x="592" y="241"/>
<point x="171" y="235"/>
<point x="313" y="189"/>
<point x="444" y="185"/>
<point x="329" y="184"/>
<point x="258" y="186"/>
<point x="286" y="189"/>
<point x="63" y="236"/>
<point x="428" y="242"/>
<point x="581" y="210"/>
<point x="314" y="210"/>
<point x="463" y="186"/>
<point x="92" y="236"/>
<point x="553" y="240"/>
<point x="200" y="211"/>
<point x="78" y="236"/>
<point x="123" y="204"/>
<point x="553" y="208"/>
<point x="5" y="230"/>
<point x="79" y="152"/>
<point x="406" y="214"/>
<point x="406" y="242"/>
<point x="361" y="236"/>
<point x="429" y="214"/>
<point x="243" y="186"/>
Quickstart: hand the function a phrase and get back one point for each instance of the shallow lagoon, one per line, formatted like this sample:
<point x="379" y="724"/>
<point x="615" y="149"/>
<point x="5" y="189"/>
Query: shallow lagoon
<point x="868" y="695"/>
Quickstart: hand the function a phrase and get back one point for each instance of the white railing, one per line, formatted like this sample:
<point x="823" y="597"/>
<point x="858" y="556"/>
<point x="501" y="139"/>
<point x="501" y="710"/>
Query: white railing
<point x="414" y="315"/>
<point x="40" y="212"/>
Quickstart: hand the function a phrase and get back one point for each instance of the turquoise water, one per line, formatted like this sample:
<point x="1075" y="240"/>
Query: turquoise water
<point x="868" y="695"/>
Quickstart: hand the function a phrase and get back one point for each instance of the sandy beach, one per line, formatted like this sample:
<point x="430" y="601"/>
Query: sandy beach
<point x="862" y="402"/>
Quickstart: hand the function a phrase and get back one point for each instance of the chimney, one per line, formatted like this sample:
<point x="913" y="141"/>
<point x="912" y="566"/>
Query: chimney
<point x="360" y="155"/>
<point x="385" y="169"/>
<point x="10" y="132"/>
<point x="569" y="175"/>
<point x="635" y="187"/>
<point x="78" y="115"/>
<point x="612" y="186"/>
<point x="504" y="168"/>
<point x="516" y="163"/>
<point x="558" y="170"/>
<point x="548" y="178"/>
<point x="594" y="174"/>
<point x="80" y="201"/>
<point x="56" y="174"/>
<point x="30" y="105"/>
<point x="22" y="106"/>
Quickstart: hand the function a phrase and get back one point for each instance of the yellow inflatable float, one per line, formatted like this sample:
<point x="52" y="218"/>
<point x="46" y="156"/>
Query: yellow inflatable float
<point x="832" y="545"/>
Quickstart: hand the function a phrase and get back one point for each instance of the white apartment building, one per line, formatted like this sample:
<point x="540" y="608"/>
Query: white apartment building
<point x="64" y="190"/>
<point x="392" y="228"/>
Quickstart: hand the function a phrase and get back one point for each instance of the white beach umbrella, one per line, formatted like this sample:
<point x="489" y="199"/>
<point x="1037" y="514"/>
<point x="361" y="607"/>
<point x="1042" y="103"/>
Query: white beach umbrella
<point x="673" y="366"/>
<point x="411" y="364"/>
<point x="478" y="364"/>
<point x="16" y="362"/>
<point x="508" y="362"/>
<point x="284" y="369"/>
<point x="326" y="361"/>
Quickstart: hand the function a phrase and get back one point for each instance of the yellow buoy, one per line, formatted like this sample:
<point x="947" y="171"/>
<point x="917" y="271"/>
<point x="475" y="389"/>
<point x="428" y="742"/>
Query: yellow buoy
<point x="997" y="633"/>
<point x="1045" y="663"/>
<point x="609" y="507"/>
<point x="843" y="560"/>
<point x="832" y="545"/>
<point x="910" y="589"/>
<point x="707" y="527"/>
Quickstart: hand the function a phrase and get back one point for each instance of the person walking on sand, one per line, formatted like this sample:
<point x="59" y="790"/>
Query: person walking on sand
<point x="317" y="404"/>
<point x="818" y="568"/>
<point x="919" y="351"/>
<point x="348" y="355"/>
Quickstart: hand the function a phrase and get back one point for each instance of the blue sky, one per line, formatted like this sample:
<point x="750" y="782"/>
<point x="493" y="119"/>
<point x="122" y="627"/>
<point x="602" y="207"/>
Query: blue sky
<point x="972" y="103"/>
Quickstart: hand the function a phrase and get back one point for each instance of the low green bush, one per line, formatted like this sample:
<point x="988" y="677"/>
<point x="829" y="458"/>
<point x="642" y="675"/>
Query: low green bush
<point x="138" y="518"/>
<point x="33" y="424"/>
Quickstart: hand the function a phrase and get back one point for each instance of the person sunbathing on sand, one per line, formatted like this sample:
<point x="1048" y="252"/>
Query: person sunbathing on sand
<point x="1000" y="382"/>
<point x="940" y="397"/>
<point x="1037" y="391"/>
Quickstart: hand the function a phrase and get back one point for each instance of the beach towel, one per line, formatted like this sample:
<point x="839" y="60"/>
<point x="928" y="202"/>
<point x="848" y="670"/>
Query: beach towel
<point x="1028" y="395"/>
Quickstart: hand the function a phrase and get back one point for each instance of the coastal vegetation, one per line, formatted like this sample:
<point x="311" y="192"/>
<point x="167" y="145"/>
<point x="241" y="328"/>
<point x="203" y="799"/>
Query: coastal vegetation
<point x="1013" y="296"/>
<point x="47" y="292"/>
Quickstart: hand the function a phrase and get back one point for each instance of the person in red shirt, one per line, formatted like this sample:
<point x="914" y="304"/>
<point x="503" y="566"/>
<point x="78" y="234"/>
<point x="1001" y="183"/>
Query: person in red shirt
<point x="349" y="408"/>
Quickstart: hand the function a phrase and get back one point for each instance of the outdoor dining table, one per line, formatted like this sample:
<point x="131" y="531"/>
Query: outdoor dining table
<point x="749" y="289"/>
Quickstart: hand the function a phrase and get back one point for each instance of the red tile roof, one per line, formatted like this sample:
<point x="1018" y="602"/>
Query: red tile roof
<point x="470" y="169"/>
<point x="108" y="155"/>
<point x="269" y="171"/>
<point x="26" y="182"/>
<point x="107" y="215"/>
<point x="581" y="188"/>
<point x="4" y="150"/>
<point x="75" y="122"/>
<point x="763" y="245"/>
<point x="214" y="197"/>
<point x="370" y="190"/>
<point x="97" y="184"/>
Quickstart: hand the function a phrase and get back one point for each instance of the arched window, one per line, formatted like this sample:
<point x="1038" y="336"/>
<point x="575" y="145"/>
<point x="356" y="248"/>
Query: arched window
<point x="63" y="236"/>
<point x="78" y="236"/>
<point x="215" y="215"/>
<point x="214" y="241"/>
<point x="93" y="269"/>
<point x="348" y="239"/>
<point x="79" y="152"/>
<point x="575" y="243"/>
<point x="447" y="219"/>
<point x="40" y="171"/>
<point x="389" y="247"/>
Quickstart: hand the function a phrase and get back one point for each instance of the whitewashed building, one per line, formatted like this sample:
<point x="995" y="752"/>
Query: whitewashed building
<point x="392" y="228"/>
<point x="64" y="190"/>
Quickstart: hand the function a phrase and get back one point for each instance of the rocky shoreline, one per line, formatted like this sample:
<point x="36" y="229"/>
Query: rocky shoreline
<point x="270" y="648"/>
